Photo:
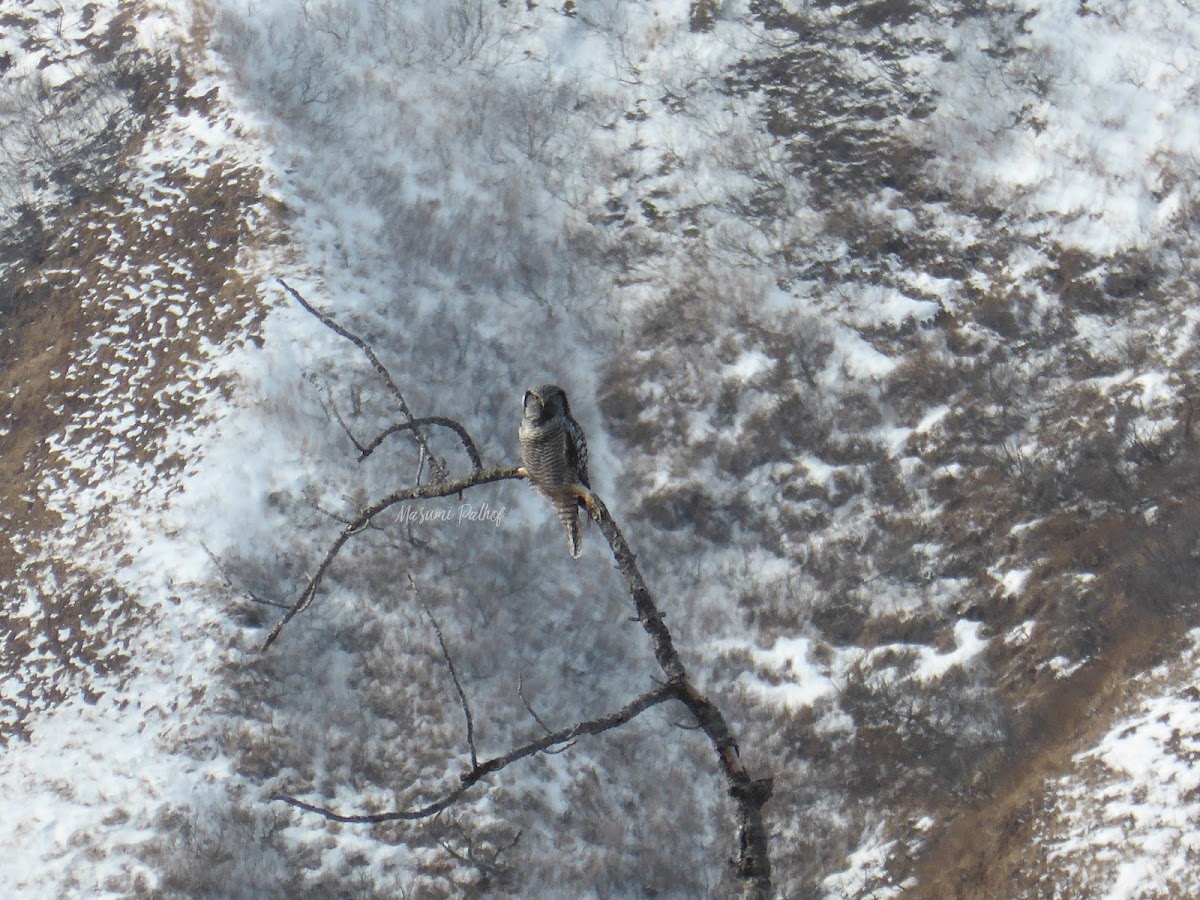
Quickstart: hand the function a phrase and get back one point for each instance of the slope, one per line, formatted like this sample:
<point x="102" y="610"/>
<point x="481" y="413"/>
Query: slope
<point x="879" y="317"/>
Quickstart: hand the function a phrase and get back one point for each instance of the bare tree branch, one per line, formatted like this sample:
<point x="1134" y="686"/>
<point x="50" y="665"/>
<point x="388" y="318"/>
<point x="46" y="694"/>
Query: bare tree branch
<point x="750" y="795"/>
<point x="752" y="862"/>
<point x="528" y="708"/>
<point x="462" y="695"/>
<point x="439" y="466"/>
<point x="477" y="773"/>
<point x="467" y="442"/>
<point x="331" y="408"/>
<point x="420" y="492"/>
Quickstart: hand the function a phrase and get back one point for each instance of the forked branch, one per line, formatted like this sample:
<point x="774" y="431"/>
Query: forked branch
<point x="439" y="466"/>
<point x="462" y="694"/>
<point x="359" y="522"/>
<point x="477" y="773"/>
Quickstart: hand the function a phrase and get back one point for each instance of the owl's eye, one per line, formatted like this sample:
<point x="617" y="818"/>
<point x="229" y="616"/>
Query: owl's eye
<point x="532" y="403"/>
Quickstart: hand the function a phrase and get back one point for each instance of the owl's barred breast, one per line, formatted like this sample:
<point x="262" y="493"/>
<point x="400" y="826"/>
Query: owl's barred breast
<point x="543" y="452"/>
<point x="554" y="455"/>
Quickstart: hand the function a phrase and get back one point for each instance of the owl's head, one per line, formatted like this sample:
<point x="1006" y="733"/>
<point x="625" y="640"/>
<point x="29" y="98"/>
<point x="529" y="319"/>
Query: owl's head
<point x="547" y="401"/>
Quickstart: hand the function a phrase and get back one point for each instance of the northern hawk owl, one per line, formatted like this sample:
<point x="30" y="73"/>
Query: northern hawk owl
<point x="554" y="453"/>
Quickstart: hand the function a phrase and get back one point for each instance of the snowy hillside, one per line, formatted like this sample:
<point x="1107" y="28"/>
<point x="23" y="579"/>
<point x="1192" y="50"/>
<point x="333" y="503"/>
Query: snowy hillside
<point x="880" y="318"/>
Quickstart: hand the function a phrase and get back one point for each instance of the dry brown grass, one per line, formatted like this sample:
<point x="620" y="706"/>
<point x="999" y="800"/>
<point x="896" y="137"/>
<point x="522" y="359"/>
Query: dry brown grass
<point x="1131" y="617"/>
<point x="988" y="851"/>
<point x="148" y="265"/>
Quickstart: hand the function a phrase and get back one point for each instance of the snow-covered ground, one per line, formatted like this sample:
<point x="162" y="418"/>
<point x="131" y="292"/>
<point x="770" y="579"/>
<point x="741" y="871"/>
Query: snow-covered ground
<point x="112" y="640"/>
<point x="1123" y="823"/>
<point x="843" y="295"/>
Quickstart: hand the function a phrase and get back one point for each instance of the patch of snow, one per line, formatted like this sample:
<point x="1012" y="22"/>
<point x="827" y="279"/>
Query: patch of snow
<point x="795" y="681"/>
<point x="1012" y="581"/>
<point x="931" y="418"/>
<point x="864" y="876"/>
<point x="1020" y="633"/>
<point x="858" y="359"/>
<point x="968" y="644"/>
<point x="748" y="365"/>
<point x="1063" y="667"/>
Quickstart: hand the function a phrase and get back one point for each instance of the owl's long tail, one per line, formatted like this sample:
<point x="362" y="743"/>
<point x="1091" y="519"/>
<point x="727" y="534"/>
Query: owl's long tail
<point x="568" y="513"/>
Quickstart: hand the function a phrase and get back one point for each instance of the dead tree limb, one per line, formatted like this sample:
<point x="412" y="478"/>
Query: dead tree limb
<point x="420" y="492"/>
<point x="477" y="773"/>
<point x="546" y="728"/>
<point x="467" y="442"/>
<point x="439" y="466"/>
<point x="529" y="707"/>
<point x="331" y="409"/>
<point x="752" y="861"/>
<point x="750" y="795"/>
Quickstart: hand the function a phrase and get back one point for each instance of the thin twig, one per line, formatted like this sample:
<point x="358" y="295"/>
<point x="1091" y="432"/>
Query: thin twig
<point x="228" y="579"/>
<point x="462" y="695"/>
<point x="338" y="517"/>
<point x="469" y="779"/>
<point x="332" y="408"/>
<point x="528" y="708"/>
<point x="537" y="718"/>
<point x="328" y="513"/>
<point x="420" y="492"/>
<point x="439" y="466"/>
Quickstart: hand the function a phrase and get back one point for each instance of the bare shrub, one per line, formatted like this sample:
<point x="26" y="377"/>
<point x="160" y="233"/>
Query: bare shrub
<point x="1161" y="573"/>
<point x="1077" y="277"/>
<point x="63" y="140"/>
<point x="702" y="14"/>
<point x="913" y="735"/>
<point x="203" y="852"/>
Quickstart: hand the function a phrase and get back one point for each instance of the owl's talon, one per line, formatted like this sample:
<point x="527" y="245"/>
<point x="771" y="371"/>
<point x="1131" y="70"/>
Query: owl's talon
<point x="521" y="472"/>
<point x="588" y="499"/>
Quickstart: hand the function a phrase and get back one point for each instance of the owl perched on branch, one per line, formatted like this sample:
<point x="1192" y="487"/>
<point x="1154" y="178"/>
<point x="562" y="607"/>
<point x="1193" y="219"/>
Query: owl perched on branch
<point x="555" y="456"/>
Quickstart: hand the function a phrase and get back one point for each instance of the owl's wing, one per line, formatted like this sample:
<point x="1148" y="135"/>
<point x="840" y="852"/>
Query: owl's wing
<point x="577" y="452"/>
